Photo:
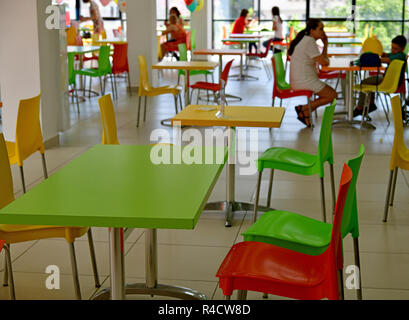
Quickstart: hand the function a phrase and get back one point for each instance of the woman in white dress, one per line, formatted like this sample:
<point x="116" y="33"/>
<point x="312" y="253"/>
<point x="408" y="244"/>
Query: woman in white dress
<point x="277" y="28"/>
<point x="305" y="56"/>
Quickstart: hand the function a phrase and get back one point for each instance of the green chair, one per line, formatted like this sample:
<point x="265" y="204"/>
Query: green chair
<point x="183" y="57"/>
<point x="192" y="39"/>
<point x="299" y="162"/>
<point x="72" y="79"/>
<point x="309" y="236"/>
<point x="104" y="69"/>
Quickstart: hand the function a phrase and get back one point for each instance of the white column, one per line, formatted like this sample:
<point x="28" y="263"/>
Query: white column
<point x="29" y="63"/>
<point x="141" y="36"/>
<point x="201" y="21"/>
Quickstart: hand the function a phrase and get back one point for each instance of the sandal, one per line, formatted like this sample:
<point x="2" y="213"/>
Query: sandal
<point x="299" y="111"/>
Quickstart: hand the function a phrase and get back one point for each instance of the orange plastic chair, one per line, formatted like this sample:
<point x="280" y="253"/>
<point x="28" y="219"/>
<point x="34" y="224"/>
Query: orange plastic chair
<point x="146" y="90"/>
<point x="120" y="64"/>
<point x="29" y="138"/>
<point x="21" y="233"/>
<point x="109" y="131"/>
<point x="263" y="267"/>
<point x="71" y="36"/>
<point x="399" y="155"/>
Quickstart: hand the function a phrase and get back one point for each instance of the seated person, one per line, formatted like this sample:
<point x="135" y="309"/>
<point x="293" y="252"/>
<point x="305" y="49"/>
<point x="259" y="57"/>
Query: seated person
<point x="397" y="52"/>
<point x="277" y="28"/>
<point x="242" y="24"/>
<point x="178" y="35"/>
<point x="305" y="55"/>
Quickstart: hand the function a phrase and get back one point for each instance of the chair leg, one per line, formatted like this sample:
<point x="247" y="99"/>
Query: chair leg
<point x="198" y="96"/>
<point x="272" y="103"/>
<point x="256" y="199"/>
<point x="10" y="272"/>
<point x="90" y="86"/>
<point x="395" y="177"/>
<point x="331" y="166"/>
<point x="310" y="111"/>
<point x="324" y="216"/>
<point x="176" y="104"/>
<point x="180" y="101"/>
<point x="102" y="87"/>
<point x="281" y="103"/>
<point x="388" y="195"/>
<point x="144" y="109"/>
<point x="93" y="258"/>
<point x="139" y="111"/>
<point x="341" y="284"/>
<point x="270" y="188"/>
<point x="207" y="91"/>
<point x="191" y="94"/>
<point x="358" y="264"/>
<point x="227" y="297"/>
<point x="113" y="86"/>
<point x="241" y="294"/>
<point x="6" y="274"/>
<point x="22" y="179"/>
<point x="76" y="97"/>
<point x="129" y="84"/>
<point x="44" y="166"/>
<point x="75" y="271"/>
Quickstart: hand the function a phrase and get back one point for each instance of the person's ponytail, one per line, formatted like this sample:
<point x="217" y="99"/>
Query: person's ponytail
<point x="297" y="40"/>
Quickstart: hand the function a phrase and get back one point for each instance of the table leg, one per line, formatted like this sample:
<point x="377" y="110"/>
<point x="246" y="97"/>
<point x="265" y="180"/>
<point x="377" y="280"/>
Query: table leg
<point x="117" y="264"/>
<point x="241" y="76"/>
<point x="220" y="76"/>
<point x="230" y="206"/>
<point x="349" y="105"/>
<point x="187" y="84"/>
<point x="151" y="270"/>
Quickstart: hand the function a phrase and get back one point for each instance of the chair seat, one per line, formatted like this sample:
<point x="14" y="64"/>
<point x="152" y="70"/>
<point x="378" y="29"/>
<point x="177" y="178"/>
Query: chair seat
<point x="292" y="231"/>
<point x="287" y="160"/>
<point x="22" y="233"/>
<point x="89" y="72"/>
<point x="330" y="75"/>
<point x="11" y="151"/>
<point x="264" y="262"/>
<point x="196" y="72"/>
<point x="206" y="86"/>
<point x="257" y="55"/>
<point x="175" y="90"/>
<point x="370" y="88"/>
<point x="289" y="93"/>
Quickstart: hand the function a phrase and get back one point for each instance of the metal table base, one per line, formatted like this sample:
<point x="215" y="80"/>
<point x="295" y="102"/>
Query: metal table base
<point x="119" y="290"/>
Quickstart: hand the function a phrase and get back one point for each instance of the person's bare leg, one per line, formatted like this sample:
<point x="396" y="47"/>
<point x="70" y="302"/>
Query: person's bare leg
<point x="326" y="96"/>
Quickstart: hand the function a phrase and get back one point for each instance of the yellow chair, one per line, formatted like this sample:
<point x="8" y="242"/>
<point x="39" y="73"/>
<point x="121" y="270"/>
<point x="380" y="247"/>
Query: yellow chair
<point x="22" y="233"/>
<point x="370" y="32"/>
<point x="71" y="36"/>
<point x="109" y="131"/>
<point x="29" y="138"/>
<point x="372" y="45"/>
<point x="365" y="32"/>
<point x="145" y="89"/>
<point x="388" y="85"/>
<point x="399" y="156"/>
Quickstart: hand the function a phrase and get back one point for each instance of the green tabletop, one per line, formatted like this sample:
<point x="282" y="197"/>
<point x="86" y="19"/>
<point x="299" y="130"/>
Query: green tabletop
<point x="118" y="186"/>
<point x="81" y="49"/>
<point x="241" y="40"/>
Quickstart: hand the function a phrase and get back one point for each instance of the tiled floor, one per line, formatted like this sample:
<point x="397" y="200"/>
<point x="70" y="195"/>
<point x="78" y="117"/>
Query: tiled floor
<point x="191" y="258"/>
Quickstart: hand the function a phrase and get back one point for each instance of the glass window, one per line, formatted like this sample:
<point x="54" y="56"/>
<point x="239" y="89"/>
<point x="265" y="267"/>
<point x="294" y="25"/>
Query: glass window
<point x="161" y="9"/>
<point x="231" y="9"/>
<point x="111" y="10"/>
<point x="181" y="5"/>
<point x="330" y="9"/>
<point x="70" y="5"/>
<point x="289" y="9"/>
<point x="379" y="10"/>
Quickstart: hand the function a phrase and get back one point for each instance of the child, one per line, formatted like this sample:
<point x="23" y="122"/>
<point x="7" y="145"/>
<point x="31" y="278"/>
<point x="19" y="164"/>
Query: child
<point x="397" y="52"/>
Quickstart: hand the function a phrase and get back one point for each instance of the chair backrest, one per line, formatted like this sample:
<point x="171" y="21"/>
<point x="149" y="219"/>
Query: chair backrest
<point x="291" y="33"/>
<point x="399" y="146"/>
<point x="372" y="45"/>
<point x="325" y="152"/>
<point x="392" y="76"/>
<point x="350" y="218"/>
<point x="188" y="40"/>
<point x="182" y="52"/>
<point x="71" y="70"/>
<point x="225" y="74"/>
<point x="278" y="72"/>
<point x="109" y="131"/>
<point x="120" y="58"/>
<point x="6" y="181"/>
<point x="29" y="137"/>
<point x="193" y="39"/>
<point x="366" y="32"/>
<point x="104" y="64"/>
<point x="344" y="184"/>
<point x="265" y="53"/>
<point x="71" y="36"/>
<point x="143" y="75"/>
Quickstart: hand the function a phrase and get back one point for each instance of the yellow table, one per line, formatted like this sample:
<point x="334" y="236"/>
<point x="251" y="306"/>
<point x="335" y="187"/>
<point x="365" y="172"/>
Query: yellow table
<point x="187" y="66"/>
<point x="267" y="117"/>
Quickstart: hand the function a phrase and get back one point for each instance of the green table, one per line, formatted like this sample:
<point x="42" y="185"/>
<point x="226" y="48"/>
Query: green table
<point x="119" y="187"/>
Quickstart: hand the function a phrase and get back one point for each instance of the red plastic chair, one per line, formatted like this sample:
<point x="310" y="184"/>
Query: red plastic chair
<point x="263" y="267"/>
<point x="120" y="63"/>
<point x="209" y="86"/>
<point x="261" y="56"/>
